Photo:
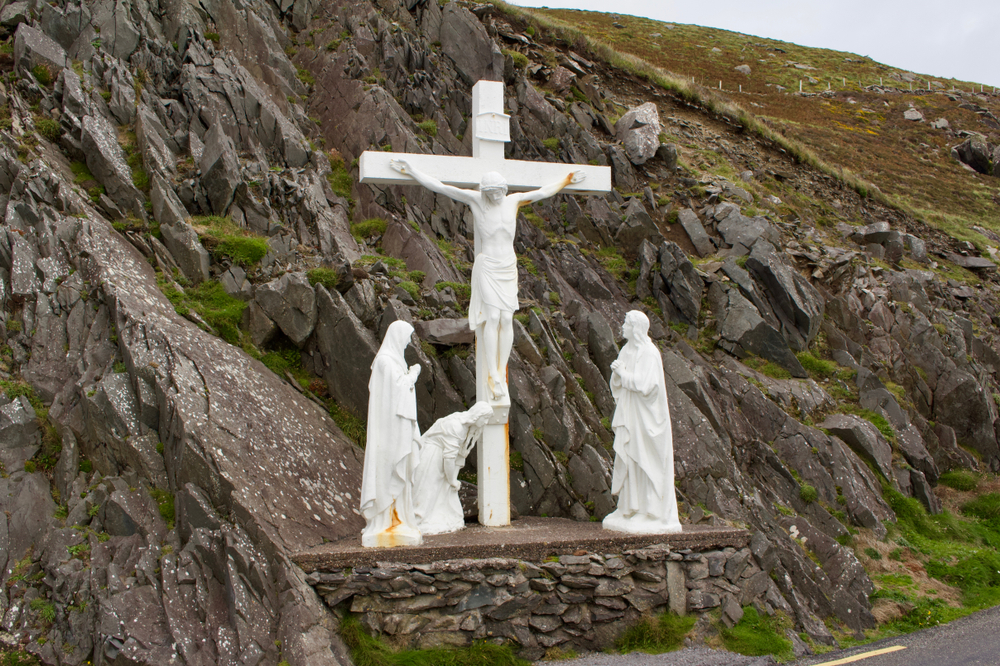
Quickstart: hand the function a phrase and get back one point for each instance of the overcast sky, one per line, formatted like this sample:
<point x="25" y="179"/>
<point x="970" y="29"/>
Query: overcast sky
<point x="958" y="39"/>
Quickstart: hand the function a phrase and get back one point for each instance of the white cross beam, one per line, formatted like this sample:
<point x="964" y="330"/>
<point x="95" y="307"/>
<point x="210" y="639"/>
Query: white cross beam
<point x="490" y="130"/>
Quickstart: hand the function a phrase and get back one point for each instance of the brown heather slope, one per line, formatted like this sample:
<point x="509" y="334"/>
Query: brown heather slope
<point x="858" y="126"/>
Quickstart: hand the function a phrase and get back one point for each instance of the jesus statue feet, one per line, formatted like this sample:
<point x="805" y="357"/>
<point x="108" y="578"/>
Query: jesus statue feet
<point x="498" y="388"/>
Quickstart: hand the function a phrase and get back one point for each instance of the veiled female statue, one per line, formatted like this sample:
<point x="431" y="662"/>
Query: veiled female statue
<point x="392" y="449"/>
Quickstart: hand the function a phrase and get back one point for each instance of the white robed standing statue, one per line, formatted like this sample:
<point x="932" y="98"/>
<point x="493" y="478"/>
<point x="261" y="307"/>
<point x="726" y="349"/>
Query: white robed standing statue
<point x="443" y="449"/>
<point x="643" y="476"/>
<point x="392" y="448"/>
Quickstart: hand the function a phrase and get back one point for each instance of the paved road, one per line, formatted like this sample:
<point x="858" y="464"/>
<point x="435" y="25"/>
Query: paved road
<point x="971" y="641"/>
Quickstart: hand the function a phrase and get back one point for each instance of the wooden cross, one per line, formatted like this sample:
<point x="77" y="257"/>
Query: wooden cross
<point x="490" y="130"/>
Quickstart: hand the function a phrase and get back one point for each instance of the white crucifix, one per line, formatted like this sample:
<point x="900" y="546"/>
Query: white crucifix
<point x="494" y="273"/>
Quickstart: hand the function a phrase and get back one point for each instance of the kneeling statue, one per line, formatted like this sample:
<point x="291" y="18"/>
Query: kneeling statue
<point x="443" y="449"/>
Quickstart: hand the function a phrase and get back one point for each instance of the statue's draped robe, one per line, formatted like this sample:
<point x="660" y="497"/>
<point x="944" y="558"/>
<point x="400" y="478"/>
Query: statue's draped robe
<point x="392" y="452"/>
<point x="643" y="476"/>
<point x="436" y="502"/>
<point x="494" y="282"/>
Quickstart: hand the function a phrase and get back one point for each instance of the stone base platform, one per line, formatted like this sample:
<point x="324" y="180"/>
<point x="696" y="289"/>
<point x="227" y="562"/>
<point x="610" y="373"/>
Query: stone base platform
<point x="530" y="539"/>
<point x="540" y="583"/>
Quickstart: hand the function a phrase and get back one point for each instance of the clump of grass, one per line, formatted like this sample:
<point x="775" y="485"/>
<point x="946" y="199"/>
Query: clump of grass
<point x="165" y="500"/>
<point x="224" y="239"/>
<point x="340" y="178"/>
<point x="520" y="60"/>
<point x="613" y="261"/>
<point x="429" y="126"/>
<point x="960" y="479"/>
<point x="48" y="128"/>
<point x="306" y="77"/>
<point x="985" y="507"/>
<point x="46" y="610"/>
<point x="324" y="276"/>
<point x="368" y="229"/>
<point x="808" y="494"/>
<point x="757" y="635"/>
<point x="516" y="461"/>
<point x="462" y="290"/>
<point x="368" y="650"/>
<point x="552" y="143"/>
<point x="212" y="37"/>
<point x="768" y="368"/>
<point x="349" y="424"/>
<point x="656" y="635"/>
<point x="411" y="288"/>
<point x="816" y="366"/>
<point x="42" y="74"/>
<point x="876" y="419"/>
<point x="280" y="360"/>
<point x="211" y="302"/>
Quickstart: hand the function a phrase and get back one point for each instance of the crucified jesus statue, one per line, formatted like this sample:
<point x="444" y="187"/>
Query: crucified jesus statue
<point x="494" y="273"/>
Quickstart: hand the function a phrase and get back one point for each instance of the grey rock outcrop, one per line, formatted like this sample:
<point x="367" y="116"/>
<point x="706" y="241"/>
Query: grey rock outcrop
<point x="290" y="302"/>
<point x="220" y="168"/>
<point x="797" y="304"/>
<point x="639" y="132"/>
<point x="975" y="152"/>
<point x="464" y="39"/>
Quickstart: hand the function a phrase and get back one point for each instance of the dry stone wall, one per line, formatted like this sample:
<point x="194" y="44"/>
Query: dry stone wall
<point x="582" y="601"/>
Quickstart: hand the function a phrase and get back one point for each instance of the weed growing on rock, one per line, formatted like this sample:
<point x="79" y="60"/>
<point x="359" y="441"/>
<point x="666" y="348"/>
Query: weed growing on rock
<point x="48" y="128"/>
<point x="463" y="291"/>
<point x="324" y="276"/>
<point x="211" y="302"/>
<point x="42" y="74"/>
<point x="656" y="636"/>
<point x="165" y="500"/>
<point x="46" y="610"/>
<point x="369" y="229"/>
<point x="552" y="143"/>
<point x="757" y="635"/>
<point x="816" y="366"/>
<point x="348" y="423"/>
<point x="368" y="650"/>
<point x="224" y="239"/>
<point x="808" y="494"/>
<point x="768" y="368"/>
<point x="429" y="126"/>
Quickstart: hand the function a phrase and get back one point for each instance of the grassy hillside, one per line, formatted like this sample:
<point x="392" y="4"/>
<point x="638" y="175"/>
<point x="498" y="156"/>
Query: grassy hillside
<point x="850" y="115"/>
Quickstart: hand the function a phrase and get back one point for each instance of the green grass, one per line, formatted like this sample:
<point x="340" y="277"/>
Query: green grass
<point x="211" y="302"/>
<point x="340" y="178"/>
<point x="960" y="479"/>
<point x="808" y="494"/>
<point x="352" y="426"/>
<point x="284" y="359"/>
<point x="816" y="366"/>
<point x="367" y="650"/>
<point x="429" y="126"/>
<point x="986" y="508"/>
<point x="46" y="610"/>
<point x="226" y="240"/>
<point x="48" y="128"/>
<point x="462" y="290"/>
<point x="324" y="276"/>
<point x="368" y="229"/>
<point x="411" y="288"/>
<point x="306" y="77"/>
<point x="656" y="635"/>
<point x="757" y="635"/>
<point x="81" y="174"/>
<point x="165" y="500"/>
<point x="768" y="368"/>
<point x="552" y="143"/>
<point x="42" y="74"/>
<point x="877" y="420"/>
<point x="17" y="658"/>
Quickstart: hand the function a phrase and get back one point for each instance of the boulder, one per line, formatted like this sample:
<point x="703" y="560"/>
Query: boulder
<point x="220" y="168"/>
<point x="290" y="302"/>
<point x="639" y="132"/>
<point x="741" y="232"/>
<point x="637" y="227"/>
<point x="33" y="48"/>
<point x="668" y="153"/>
<point x="179" y="236"/>
<point x="863" y="438"/>
<point x="911" y="445"/>
<point x="601" y="342"/>
<point x="445" y="331"/>
<point x="19" y="434"/>
<point x="797" y="304"/>
<point x="696" y="232"/>
<point x="876" y="232"/>
<point x="680" y="281"/>
<point x="262" y="329"/>
<point x="921" y="489"/>
<point x="913" y="114"/>
<point x="622" y="172"/>
<point x="14" y="14"/>
<point x="961" y="402"/>
<point x="743" y="69"/>
<point x="347" y="350"/>
<point x="975" y="152"/>
<point x="106" y="160"/>
<point x="746" y="331"/>
<point x="463" y="39"/>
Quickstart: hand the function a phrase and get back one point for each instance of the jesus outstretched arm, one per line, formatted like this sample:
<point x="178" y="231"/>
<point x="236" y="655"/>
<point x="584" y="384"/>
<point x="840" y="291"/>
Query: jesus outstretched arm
<point x="433" y="184"/>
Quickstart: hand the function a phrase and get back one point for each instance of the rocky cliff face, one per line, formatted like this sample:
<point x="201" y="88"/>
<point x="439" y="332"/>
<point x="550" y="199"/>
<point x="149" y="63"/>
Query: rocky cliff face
<point x="173" y="175"/>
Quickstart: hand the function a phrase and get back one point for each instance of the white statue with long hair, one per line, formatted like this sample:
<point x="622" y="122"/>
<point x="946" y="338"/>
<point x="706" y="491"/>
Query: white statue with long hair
<point x="392" y="452"/>
<point x="643" y="476"/>
<point x="494" y="271"/>
<point x="443" y="449"/>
